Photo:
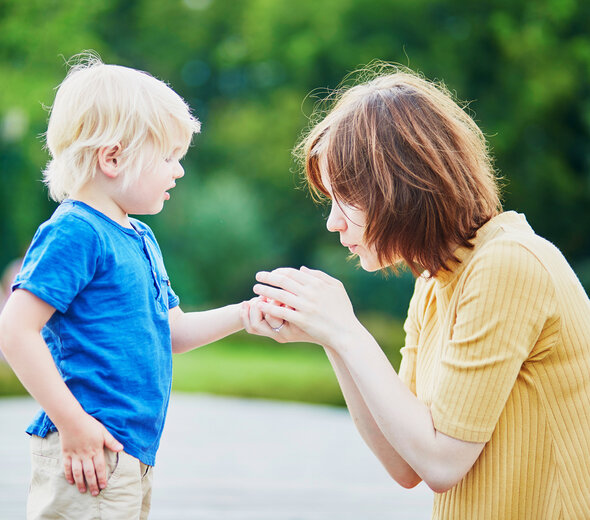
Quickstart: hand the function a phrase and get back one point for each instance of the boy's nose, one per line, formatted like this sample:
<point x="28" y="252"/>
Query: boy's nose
<point x="179" y="172"/>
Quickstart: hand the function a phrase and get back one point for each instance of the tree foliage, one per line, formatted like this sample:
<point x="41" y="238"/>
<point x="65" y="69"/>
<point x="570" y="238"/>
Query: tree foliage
<point x="250" y="71"/>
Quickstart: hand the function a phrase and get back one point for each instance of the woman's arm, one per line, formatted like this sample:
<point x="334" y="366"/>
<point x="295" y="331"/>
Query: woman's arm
<point x="190" y="330"/>
<point x="441" y="461"/>
<point x="256" y="322"/>
<point x="318" y="305"/>
<point x="369" y="430"/>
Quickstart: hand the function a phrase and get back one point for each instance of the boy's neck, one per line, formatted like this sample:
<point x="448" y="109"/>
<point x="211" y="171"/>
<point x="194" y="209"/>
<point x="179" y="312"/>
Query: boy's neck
<point x="103" y="203"/>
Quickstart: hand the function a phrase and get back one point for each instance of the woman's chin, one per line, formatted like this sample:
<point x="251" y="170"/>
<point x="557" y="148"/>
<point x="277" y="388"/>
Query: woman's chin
<point x="369" y="266"/>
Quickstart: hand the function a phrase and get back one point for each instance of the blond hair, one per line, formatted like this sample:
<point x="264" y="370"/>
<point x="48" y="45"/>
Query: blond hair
<point x="401" y="149"/>
<point x="100" y="105"/>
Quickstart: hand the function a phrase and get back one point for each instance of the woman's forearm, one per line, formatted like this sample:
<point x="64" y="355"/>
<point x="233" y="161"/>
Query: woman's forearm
<point x="404" y="421"/>
<point x="369" y="430"/>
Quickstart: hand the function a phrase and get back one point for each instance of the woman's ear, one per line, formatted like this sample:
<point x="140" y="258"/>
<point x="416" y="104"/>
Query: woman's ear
<point x="109" y="160"/>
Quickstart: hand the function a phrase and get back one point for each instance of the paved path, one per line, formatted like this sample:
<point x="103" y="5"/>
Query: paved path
<point x="236" y="459"/>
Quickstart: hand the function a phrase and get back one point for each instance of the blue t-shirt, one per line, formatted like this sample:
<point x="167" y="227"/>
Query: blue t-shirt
<point x="109" y="335"/>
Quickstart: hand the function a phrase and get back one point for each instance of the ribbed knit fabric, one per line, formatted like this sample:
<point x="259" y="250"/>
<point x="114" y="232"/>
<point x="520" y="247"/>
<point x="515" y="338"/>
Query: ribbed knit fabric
<point x="499" y="349"/>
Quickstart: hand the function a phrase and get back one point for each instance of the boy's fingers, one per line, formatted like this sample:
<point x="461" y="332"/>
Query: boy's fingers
<point x="90" y="476"/>
<point x="111" y="443"/>
<point x="255" y="315"/>
<point x="78" y="475"/>
<point x="100" y="469"/>
<point x="68" y="470"/>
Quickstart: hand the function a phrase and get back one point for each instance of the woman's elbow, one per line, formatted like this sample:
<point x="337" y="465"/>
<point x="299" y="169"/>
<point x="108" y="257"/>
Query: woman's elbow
<point x="410" y="482"/>
<point x="448" y="465"/>
<point x="439" y="487"/>
<point x="442" y="480"/>
<point x="438" y="481"/>
<point x="406" y="479"/>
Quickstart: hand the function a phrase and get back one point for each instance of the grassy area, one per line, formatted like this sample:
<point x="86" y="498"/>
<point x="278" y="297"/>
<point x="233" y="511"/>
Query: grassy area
<point x="249" y="366"/>
<point x="261" y="368"/>
<point x="9" y="383"/>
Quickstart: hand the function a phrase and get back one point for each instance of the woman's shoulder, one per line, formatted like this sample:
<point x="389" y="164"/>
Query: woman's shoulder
<point x="513" y="244"/>
<point x="514" y="255"/>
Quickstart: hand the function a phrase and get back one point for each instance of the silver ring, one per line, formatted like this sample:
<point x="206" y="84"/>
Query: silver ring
<point x="278" y="328"/>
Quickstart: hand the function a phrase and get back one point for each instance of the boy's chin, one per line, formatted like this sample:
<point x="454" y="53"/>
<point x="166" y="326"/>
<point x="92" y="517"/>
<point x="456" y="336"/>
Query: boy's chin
<point x="147" y="211"/>
<point x="155" y="209"/>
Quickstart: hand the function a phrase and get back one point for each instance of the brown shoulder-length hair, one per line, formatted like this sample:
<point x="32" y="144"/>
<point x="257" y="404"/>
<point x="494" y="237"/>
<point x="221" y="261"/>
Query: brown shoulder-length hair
<point x="401" y="149"/>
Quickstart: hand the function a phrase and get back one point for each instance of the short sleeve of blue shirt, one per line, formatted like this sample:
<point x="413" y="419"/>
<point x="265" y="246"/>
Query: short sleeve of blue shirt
<point x="60" y="262"/>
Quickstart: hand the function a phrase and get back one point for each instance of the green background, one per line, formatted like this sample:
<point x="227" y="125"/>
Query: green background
<point x="251" y="71"/>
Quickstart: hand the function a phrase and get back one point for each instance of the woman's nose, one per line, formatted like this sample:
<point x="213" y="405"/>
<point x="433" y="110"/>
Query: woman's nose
<point x="336" y="220"/>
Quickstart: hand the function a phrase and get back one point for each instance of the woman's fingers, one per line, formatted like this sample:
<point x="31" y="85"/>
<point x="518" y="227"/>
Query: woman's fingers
<point x="312" y="304"/>
<point x="289" y="279"/>
<point x="277" y="312"/>
<point x="320" y="275"/>
<point x="264" y="324"/>
<point x="274" y="323"/>
<point x="273" y="293"/>
<point x="288" y="286"/>
<point x="257" y="322"/>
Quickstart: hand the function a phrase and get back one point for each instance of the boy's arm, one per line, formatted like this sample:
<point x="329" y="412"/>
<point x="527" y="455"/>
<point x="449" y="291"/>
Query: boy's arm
<point x="83" y="438"/>
<point x="190" y="330"/>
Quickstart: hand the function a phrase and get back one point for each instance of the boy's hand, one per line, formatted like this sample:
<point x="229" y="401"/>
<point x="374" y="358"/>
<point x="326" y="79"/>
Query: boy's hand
<point x="83" y="445"/>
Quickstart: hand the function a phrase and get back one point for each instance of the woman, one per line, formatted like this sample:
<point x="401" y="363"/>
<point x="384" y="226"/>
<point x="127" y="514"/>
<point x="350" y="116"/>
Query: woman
<point x="490" y="406"/>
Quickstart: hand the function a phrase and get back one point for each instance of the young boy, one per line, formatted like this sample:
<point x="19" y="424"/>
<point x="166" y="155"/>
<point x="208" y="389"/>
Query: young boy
<point x="93" y="321"/>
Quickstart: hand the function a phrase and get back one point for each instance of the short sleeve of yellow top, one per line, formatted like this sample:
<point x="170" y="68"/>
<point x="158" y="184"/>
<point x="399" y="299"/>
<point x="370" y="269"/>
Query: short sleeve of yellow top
<point x="499" y="349"/>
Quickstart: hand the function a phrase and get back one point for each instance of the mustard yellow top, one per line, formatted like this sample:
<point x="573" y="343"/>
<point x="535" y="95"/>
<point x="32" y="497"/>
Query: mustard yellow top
<point x="499" y="349"/>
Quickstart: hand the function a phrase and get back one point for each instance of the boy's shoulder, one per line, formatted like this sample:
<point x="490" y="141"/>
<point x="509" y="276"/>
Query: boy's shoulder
<point x="76" y="222"/>
<point x="74" y="213"/>
<point x="68" y="219"/>
<point x="77" y="214"/>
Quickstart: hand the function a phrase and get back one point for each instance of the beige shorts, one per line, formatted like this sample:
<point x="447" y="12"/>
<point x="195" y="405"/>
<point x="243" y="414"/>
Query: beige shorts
<point x="126" y="497"/>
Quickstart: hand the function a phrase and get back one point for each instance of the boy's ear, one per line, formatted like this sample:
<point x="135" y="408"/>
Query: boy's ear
<point x="109" y="159"/>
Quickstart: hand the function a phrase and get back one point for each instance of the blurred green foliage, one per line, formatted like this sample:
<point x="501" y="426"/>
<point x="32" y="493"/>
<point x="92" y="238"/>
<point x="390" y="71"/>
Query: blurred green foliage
<point x="247" y="69"/>
<point x="250" y="366"/>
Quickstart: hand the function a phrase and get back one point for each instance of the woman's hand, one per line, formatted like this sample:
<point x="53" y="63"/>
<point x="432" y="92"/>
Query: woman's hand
<point x="276" y="324"/>
<point x="315" y="306"/>
<point x="255" y="321"/>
